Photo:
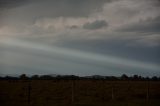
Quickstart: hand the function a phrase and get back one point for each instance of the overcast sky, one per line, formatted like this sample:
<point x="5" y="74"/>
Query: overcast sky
<point x="81" y="37"/>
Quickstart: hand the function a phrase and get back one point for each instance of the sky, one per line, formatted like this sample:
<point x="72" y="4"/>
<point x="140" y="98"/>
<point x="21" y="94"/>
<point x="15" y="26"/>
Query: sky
<point x="80" y="37"/>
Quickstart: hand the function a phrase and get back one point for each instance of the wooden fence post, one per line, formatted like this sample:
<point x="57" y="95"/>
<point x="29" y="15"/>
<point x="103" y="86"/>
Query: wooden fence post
<point x="112" y="92"/>
<point x="72" y="92"/>
<point x="103" y="89"/>
<point x="29" y="93"/>
<point x="147" y="96"/>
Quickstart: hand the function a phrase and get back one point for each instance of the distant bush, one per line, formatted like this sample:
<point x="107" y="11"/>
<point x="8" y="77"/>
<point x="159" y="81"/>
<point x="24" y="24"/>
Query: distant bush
<point x="35" y="77"/>
<point x="23" y="77"/>
<point x="73" y="77"/>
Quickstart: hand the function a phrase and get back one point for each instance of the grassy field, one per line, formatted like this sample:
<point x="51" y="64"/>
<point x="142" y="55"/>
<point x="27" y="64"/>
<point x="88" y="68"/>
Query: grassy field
<point x="79" y="93"/>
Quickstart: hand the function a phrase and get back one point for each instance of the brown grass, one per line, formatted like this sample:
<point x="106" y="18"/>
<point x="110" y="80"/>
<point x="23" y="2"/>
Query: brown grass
<point x="79" y="93"/>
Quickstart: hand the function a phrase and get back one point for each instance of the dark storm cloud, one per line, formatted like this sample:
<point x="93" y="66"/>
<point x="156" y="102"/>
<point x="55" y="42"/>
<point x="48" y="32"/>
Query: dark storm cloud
<point x="149" y="25"/>
<point x="56" y="8"/>
<point x="12" y="3"/>
<point x="78" y="7"/>
<point x="95" y="25"/>
<point x="28" y="11"/>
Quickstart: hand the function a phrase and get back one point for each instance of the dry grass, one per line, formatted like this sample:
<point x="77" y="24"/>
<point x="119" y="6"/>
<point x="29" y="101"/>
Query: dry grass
<point x="79" y="93"/>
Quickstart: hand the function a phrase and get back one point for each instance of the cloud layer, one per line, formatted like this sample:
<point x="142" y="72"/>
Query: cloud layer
<point x="124" y="28"/>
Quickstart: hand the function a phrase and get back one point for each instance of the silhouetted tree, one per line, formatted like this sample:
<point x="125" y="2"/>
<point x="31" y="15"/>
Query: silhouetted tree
<point x="1" y="78"/>
<point x="154" y="78"/>
<point x="10" y="78"/>
<point x="147" y="78"/>
<point x="135" y="77"/>
<point x="124" y="77"/>
<point x="23" y="77"/>
<point x="111" y="78"/>
<point x="73" y="77"/>
<point x="35" y="77"/>
<point x="70" y="77"/>
<point x="140" y="77"/>
<point x="46" y="77"/>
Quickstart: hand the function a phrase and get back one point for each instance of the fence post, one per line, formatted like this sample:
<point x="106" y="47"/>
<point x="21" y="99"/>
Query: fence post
<point x="103" y="89"/>
<point x="29" y="92"/>
<point x="72" y="92"/>
<point x="147" y="96"/>
<point x="112" y="92"/>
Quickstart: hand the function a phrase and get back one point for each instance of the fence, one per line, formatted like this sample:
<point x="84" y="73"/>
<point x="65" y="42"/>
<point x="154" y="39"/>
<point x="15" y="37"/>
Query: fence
<point x="79" y="91"/>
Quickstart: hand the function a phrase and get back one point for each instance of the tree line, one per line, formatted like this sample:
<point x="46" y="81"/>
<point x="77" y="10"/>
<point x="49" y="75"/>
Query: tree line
<point x="123" y="77"/>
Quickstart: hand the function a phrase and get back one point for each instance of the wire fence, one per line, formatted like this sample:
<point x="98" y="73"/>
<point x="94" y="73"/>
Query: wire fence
<point x="78" y="91"/>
